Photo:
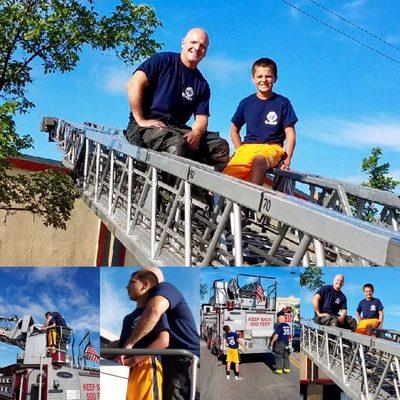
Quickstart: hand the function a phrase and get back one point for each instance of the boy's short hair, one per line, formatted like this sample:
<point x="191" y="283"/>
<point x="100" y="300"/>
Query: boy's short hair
<point x="368" y="285"/>
<point x="226" y="328"/>
<point x="145" y="275"/>
<point x="265" y="62"/>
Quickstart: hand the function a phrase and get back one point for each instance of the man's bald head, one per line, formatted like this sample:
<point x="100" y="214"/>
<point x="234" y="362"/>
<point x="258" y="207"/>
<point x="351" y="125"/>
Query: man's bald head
<point x="338" y="281"/>
<point x="198" y="32"/>
<point x="194" y="47"/>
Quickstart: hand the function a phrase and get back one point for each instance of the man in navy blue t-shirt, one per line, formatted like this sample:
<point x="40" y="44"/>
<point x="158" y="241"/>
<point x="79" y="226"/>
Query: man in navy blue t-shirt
<point x="369" y="312"/>
<point x="281" y="338"/>
<point x="57" y="329"/>
<point x="330" y="306"/>
<point x="166" y="298"/>
<point x="164" y="92"/>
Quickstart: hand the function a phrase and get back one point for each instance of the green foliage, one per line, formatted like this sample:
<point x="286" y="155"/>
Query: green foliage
<point x="311" y="278"/>
<point x="378" y="178"/>
<point x="203" y="290"/>
<point x="53" y="33"/>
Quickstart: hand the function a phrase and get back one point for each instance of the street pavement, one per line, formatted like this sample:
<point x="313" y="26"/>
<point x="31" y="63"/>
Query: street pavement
<point x="259" y="383"/>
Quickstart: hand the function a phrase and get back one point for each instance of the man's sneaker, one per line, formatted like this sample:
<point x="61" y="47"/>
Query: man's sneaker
<point x="228" y="377"/>
<point x="238" y="378"/>
<point x="279" y="372"/>
<point x="286" y="370"/>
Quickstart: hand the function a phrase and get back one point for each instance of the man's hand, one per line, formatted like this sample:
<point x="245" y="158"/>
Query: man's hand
<point x="148" y="123"/>
<point x="341" y="319"/>
<point x="324" y="314"/>
<point x="193" y="139"/>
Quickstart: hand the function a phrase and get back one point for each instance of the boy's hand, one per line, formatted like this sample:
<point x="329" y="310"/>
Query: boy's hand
<point x="285" y="164"/>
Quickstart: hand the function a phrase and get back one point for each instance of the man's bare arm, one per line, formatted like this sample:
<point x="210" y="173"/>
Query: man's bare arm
<point x="235" y="136"/>
<point x="343" y="315"/>
<point x="198" y="129"/>
<point x="358" y="316"/>
<point x="274" y="338"/>
<point x="148" y="320"/>
<point x="135" y="88"/>
<point x="290" y="144"/>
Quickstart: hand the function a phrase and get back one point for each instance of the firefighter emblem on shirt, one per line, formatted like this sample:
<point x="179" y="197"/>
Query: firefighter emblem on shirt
<point x="272" y="118"/>
<point x="188" y="93"/>
<point x="373" y="307"/>
<point x="337" y="301"/>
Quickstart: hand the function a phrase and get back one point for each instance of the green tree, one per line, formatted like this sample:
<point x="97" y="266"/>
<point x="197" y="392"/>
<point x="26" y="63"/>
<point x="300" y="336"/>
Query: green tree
<point x="53" y="33"/>
<point x="378" y="178"/>
<point x="311" y="278"/>
<point x="203" y="290"/>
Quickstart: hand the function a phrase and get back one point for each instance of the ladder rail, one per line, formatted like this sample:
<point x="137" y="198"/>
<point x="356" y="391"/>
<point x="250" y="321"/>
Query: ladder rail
<point x="323" y="234"/>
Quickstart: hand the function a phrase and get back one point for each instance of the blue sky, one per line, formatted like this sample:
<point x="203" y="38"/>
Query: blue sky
<point x="115" y="303"/>
<point x="287" y="278"/>
<point x="74" y="292"/>
<point x="345" y="95"/>
<point x="386" y="284"/>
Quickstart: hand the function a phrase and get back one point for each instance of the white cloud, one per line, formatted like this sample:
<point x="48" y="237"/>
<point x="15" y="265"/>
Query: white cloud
<point x="225" y="69"/>
<point x="114" y="79"/>
<point x="378" y="131"/>
<point x="112" y="307"/>
<point x="393" y="310"/>
<point x="354" y="4"/>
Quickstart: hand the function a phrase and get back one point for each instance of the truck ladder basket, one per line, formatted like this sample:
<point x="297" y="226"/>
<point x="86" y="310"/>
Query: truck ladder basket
<point x="173" y="211"/>
<point x="364" y="367"/>
<point x="105" y="351"/>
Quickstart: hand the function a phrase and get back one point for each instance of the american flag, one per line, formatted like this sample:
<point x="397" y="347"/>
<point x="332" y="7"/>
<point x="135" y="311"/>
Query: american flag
<point x="91" y="353"/>
<point x="259" y="291"/>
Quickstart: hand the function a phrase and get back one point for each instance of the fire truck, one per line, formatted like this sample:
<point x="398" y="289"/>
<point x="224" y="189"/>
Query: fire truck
<point x="41" y="372"/>
<point x="247" y="304"/>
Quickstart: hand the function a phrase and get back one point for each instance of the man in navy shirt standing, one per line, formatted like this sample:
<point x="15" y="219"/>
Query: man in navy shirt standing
<point x="281" y="339"/>
<point x="166" y="298"/>
<point x="164" y="92"/>
<point x="328" y="302"/>
<point x="371" y="309"/>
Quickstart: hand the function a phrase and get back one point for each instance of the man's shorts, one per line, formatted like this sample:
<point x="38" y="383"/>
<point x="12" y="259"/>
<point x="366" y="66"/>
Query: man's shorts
<point x="232" y="355"/>
<point x="241" y="163"/>
<point x="365" y="323"/>
<point x="145" y="380"/>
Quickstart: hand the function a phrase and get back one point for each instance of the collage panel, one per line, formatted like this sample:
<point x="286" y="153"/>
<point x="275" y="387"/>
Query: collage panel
<point x="149" y="329"/>
<point x="350" y="342"/>
<point x="49" y="334"/>
<point x="250" y="333"/>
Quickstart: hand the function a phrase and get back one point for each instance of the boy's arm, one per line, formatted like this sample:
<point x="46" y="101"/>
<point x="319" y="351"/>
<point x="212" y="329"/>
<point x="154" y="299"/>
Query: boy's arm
<point x="148" y="320"/>
<point x="242" y="344"/>
<point x="290" y="144"/>
<point x="380" y="318"/>
<point x="235" y="136"/>
<point x="161" y="342"/>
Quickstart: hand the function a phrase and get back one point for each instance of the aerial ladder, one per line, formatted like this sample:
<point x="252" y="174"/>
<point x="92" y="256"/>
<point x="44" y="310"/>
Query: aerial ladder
<point x="41" y="372"/>
<point x="169" y="210"/>
<point x="364" y="367"/>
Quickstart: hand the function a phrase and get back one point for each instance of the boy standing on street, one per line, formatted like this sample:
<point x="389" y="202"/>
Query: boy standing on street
<point x="232" y="354"/>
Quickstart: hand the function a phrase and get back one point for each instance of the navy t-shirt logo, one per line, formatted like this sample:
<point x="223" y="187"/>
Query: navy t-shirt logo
<point x="373" y="308"/>
<point x="337" y="301"/>
<point x="188" y="93"/>
<point x="272" y="118"/>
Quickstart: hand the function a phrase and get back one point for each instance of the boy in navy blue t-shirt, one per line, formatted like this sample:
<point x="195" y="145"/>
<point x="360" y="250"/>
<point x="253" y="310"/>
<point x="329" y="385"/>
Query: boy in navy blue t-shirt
<point x="146" y="375"/>
<point x="281" y="339"/>
<point x="371" y="309"/>
<point x="270" y="120"/>
<point x="232" y="352"/>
